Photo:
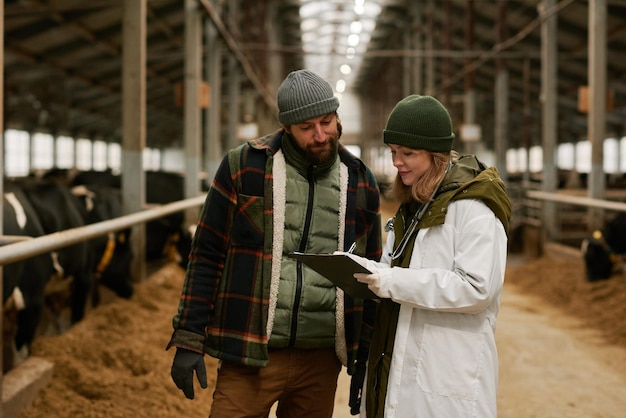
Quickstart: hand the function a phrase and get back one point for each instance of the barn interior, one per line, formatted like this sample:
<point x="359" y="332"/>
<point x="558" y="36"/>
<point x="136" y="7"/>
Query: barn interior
<point x="193" y="78"/>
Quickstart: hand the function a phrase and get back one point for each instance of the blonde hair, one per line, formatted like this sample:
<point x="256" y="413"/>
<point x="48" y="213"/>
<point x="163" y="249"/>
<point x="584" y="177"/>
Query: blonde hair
<point x="424" y="186"/>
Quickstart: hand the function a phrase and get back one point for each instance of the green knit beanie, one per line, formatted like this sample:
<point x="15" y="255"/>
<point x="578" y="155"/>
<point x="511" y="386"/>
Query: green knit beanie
<point x="420" y="122"/>
<point x="304" y="95"/>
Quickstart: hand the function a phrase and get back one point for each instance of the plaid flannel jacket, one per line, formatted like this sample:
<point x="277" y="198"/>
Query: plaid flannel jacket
<point x="224" y="305"/>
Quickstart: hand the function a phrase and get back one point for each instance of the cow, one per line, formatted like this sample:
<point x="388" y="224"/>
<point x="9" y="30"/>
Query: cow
<point x="59" y="210"/>
<point x="106" y="258"/>
<point x="167" y="234"/>
<point x="112" y="253"/>
<point x="166" y="237"/>
<point x="604" y="250"/>
<point x="23" y="281"/>
<point x="93" y="177"/>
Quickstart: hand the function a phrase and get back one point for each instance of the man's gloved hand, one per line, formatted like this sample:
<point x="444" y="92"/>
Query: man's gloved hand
<point x="185" y="362"/>
<point x="375" y="283"/>
<point x="356" y="389"/>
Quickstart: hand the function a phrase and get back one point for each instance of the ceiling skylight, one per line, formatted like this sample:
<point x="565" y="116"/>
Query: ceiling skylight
<point x="335" y="35"/>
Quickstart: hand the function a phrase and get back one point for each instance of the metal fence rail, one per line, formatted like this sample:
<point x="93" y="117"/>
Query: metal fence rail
<point x="577" y="200"/>
<point x="570" y="217"/>
<point x="29" y="248"/>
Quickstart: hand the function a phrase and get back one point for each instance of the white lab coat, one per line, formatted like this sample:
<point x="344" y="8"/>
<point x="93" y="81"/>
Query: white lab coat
<point x="445" y="363"/>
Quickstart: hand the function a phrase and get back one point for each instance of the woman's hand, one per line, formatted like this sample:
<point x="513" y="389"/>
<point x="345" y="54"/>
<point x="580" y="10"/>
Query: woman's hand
<point x="375" y="283"/>
<point x="365" y="262"/>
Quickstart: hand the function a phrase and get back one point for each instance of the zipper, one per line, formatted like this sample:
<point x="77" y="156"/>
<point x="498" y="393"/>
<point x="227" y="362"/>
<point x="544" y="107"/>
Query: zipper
<point x="302" y="248"/>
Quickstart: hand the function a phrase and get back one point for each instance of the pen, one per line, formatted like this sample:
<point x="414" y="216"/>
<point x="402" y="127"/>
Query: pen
<point x="352" y="247"/>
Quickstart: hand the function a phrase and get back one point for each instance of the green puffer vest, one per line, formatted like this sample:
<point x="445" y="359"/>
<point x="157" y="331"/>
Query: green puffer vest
<point x="305" y="309"/>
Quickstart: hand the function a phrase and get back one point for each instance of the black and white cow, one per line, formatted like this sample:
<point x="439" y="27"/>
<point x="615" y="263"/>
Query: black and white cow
<point x="23" y="281"/>
<point x="107" y="258"/>
<point x="603" y="252"/>
<point x="167" y="237"/>
<point x="111" y="253"/>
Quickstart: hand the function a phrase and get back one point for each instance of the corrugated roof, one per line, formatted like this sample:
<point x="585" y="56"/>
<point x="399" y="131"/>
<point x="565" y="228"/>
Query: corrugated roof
<point x="63" y="59"/>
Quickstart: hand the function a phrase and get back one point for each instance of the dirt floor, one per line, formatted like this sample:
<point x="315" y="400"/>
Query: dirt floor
<point x="561" y="342"/>
<point x="562" y="345"/>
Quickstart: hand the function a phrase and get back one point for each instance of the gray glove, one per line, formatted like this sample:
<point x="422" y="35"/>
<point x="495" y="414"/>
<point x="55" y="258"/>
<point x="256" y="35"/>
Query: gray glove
<point x="185" y="362"/>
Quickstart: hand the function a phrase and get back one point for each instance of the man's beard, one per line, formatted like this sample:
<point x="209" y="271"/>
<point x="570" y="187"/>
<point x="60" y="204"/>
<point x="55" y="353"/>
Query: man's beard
<point x="322" y="154"/>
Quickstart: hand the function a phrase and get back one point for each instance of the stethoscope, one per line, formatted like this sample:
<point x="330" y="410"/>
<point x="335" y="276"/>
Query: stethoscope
<point x="397" y="252"/>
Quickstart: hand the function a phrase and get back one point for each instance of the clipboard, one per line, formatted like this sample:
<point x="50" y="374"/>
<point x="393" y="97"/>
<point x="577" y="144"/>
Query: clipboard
<point x="339" y="269"/>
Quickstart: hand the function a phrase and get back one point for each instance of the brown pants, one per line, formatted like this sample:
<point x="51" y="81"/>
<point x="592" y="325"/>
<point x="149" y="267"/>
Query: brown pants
<point x="302" y="381"/>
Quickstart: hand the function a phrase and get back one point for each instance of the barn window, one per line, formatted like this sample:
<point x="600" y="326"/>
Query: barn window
<point x="622" y="154"/>
<point x="115" y="157"/>
<point x="512" y="161"/>
<point x="151" y="159"/>
<point x="611" y="155"/>
<point x="83" y="154"/>
<point x="42" y="151"/>
<point x="99" y="155"/>
<point x="535" y="159"/>
<point x="64" y="152"/>
<point x="566" y="156"/>
<point x="17" y="149"/>
<point x="173" y="160"/>
<point x="583" y="156"/>
<point x="522" y="158"/>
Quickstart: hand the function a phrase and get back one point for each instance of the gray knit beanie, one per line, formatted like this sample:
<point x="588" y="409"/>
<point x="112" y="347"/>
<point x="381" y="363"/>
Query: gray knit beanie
<point x="420" y="122"/>
<point x="304" y="95"/>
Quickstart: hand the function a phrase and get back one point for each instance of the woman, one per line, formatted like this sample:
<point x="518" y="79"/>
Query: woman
<point x="433" y="351"/>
